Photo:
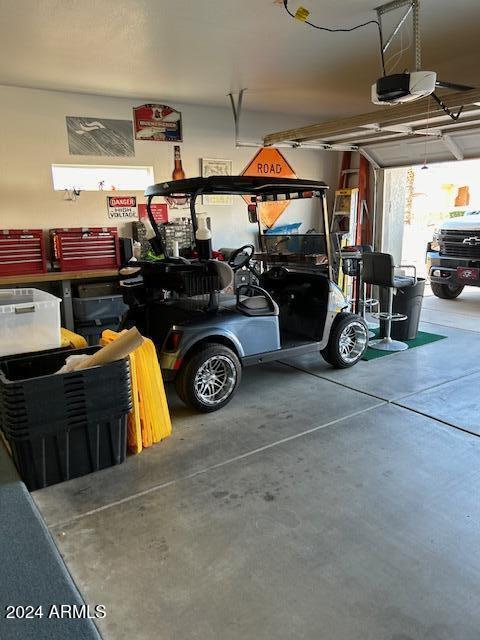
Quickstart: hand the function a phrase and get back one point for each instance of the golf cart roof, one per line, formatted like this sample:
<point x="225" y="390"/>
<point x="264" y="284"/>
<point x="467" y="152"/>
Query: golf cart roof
<point x="239" y="185"/>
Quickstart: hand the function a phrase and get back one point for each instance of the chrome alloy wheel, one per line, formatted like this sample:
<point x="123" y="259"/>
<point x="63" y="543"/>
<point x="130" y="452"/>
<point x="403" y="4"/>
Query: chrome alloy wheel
<point x="215" y="380"/>
<point x="352" y="341"/>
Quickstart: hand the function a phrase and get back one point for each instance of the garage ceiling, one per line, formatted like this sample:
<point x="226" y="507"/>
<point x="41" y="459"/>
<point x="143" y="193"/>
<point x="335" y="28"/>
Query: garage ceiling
<point x="196" y="52"/>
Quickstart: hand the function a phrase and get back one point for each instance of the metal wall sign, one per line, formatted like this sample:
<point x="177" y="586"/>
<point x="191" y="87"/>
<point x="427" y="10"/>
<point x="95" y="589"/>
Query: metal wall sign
<point x="99" y="137"/>
<point x="157" y="122"/>
<point x="120" y="207"/>
<point x="159" y="211"/>
<point x="269" y="162"/>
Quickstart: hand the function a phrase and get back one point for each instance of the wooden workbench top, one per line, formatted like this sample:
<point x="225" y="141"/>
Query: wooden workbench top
<point x="55" y="276"/>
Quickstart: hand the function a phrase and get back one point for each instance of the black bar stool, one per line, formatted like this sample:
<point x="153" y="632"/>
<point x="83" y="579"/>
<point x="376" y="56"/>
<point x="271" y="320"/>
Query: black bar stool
<point x="379" y="269"/>
<point x="352" y="257"/>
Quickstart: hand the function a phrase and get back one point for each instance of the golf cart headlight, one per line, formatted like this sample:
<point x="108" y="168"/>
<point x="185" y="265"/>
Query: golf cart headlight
<point x="435" y="243"/>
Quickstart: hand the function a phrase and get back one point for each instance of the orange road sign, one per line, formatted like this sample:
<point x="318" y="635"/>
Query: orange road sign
<point x="271" y="163"/>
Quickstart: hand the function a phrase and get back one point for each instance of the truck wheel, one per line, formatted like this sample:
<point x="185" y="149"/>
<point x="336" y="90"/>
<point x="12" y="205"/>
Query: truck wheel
<point x="209" y="378"/>
<point x="446" y="291"/>
<point x="348" y="341"/>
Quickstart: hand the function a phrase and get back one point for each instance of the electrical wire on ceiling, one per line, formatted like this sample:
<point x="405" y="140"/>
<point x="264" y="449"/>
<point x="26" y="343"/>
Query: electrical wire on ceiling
<point x="344" y="30"/>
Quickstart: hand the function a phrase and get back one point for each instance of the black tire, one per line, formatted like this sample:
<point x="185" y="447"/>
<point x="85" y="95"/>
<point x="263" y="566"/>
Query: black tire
<point x="446" y="291"/>
<point x="334" y="353"/>
<point x="186" y="384"/>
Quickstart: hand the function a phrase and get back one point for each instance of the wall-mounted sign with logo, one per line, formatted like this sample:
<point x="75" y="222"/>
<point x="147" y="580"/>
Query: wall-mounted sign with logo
<point x="157" y="122"/>
<point x="159" y="210"/>
<point x="120" y="207"/>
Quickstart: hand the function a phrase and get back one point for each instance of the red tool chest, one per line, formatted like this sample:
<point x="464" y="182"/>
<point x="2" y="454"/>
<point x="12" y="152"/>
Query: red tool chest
<point x="22" y="251"/>
<point x="86" y="248"/>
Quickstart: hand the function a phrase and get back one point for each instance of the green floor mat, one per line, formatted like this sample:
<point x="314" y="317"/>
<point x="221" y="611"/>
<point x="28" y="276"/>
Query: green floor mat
<point x="422" y="338"/>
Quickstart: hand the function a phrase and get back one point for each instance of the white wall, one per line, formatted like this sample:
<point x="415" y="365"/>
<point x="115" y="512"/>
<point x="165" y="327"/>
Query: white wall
<point x="33" y="137"/>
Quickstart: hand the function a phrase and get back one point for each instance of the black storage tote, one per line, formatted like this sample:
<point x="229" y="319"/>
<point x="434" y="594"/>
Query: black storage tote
<point x="61" y="426"/>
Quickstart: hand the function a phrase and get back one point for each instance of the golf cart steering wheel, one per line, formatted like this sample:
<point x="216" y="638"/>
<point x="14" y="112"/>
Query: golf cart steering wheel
<point x="241" y="257"/>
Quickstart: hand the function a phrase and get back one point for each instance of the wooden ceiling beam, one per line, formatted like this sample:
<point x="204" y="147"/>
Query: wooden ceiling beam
<point x="392" y="115"/>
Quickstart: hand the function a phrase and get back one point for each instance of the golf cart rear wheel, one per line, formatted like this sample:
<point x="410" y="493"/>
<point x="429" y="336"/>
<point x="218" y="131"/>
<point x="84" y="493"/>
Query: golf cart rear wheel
<point x="348" y="341"/>
<point x="446" y="291"/>
<point x="209" y="378"/>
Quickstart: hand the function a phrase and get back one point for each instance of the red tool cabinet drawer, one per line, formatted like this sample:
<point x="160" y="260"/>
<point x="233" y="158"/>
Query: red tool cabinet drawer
<point x="22" y="251"/>
<point x="86" y="248"/>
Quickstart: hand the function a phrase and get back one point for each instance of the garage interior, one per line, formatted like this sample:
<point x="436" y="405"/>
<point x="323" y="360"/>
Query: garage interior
<point x="324" y="498"/>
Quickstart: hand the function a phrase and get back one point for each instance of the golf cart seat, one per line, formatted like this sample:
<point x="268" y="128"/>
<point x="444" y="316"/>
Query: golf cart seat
<point x="261" y="304"/>
<point x="223" y="271"/>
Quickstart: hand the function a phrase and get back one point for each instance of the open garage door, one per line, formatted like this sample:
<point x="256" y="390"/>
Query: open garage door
<point x="436" y="145"/>
<point x="394" y="136"/>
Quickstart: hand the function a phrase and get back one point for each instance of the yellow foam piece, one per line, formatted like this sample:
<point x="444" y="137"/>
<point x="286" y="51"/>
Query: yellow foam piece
<point x="149" y="421"/>
<point x="134" y="430"/>
<point x="70" y="339"/>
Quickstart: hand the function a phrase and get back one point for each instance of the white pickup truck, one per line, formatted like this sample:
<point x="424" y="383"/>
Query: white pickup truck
<point x="454" y="255"/>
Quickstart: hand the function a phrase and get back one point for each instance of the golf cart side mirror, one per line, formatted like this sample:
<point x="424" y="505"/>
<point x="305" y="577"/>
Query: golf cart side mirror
<point x="252" y="213"/>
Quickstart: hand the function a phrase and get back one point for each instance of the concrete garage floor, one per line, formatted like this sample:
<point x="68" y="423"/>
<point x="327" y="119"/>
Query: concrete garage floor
<point x="319" y="504"/>
<point x="463" y="312"/>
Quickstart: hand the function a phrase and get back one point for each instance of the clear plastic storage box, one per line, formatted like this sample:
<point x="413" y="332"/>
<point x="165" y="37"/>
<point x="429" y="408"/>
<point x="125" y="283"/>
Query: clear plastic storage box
<point x="29" y="321"/>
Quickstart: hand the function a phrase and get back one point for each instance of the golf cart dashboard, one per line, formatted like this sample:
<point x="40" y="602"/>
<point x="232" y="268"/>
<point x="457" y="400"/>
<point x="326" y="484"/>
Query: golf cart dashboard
<point x="279" y="275"/>
<point x="283" y="273"/>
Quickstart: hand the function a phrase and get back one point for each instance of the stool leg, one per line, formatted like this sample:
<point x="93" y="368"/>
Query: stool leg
<point x="386" y="343"/>
<point x="370" y="325"/>
<point x="388" y="328"/>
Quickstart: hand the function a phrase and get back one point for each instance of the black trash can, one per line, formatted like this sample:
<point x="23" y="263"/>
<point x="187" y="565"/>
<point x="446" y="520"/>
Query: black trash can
<point x="408" y="302"/>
